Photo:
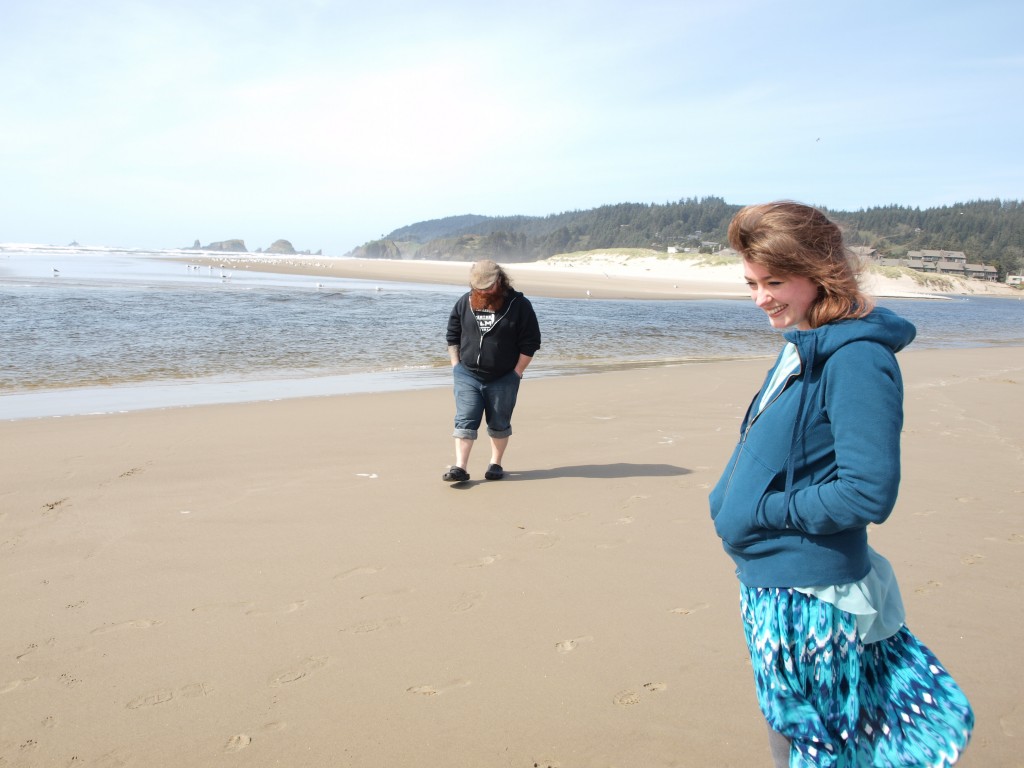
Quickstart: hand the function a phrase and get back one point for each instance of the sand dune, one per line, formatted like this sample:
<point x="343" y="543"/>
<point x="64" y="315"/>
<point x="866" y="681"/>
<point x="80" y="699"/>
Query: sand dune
<point x="598" y="275"/>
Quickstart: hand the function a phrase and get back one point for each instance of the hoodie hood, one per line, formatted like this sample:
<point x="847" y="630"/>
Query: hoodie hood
<point x="882" y="326"/>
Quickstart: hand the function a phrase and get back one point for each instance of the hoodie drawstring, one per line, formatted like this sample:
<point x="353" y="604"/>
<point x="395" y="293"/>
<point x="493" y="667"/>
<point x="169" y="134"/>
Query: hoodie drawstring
<point x="791" y="462"/>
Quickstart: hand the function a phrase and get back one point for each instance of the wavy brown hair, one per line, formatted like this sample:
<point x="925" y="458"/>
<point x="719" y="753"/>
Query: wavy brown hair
<point x="788" y="238"/>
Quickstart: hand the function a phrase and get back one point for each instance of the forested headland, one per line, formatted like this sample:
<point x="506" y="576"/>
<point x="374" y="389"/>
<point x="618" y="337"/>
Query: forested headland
<point x="988" y="231"/>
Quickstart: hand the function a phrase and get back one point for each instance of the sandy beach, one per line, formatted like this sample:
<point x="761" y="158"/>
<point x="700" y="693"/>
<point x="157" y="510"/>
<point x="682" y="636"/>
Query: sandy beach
<point x="596" y="275"/>
<point x="290" y="583"/>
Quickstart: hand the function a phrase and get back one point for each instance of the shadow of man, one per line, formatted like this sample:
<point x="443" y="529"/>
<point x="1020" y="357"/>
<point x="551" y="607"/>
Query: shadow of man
<point x="600" y="471"/>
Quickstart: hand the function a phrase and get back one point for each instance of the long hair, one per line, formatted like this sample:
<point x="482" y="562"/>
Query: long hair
<point x="788" y="238"/>
<point x="504" y="280"/>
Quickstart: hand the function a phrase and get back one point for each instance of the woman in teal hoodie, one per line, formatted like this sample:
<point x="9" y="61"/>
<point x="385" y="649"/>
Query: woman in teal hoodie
<point x="839" y="678"/>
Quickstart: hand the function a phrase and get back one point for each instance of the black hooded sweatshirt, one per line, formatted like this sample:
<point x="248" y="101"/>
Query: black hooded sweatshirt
<point x="494" y="353"/>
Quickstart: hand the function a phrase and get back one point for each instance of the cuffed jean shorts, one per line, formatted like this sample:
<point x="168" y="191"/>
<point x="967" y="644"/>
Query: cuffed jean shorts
<point x="475" y="398"/>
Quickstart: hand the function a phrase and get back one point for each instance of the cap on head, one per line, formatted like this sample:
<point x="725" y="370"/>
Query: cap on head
<point x="483" y="274"/>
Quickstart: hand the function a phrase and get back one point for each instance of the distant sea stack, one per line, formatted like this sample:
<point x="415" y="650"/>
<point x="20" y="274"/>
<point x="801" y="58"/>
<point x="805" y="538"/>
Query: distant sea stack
<point x="234" y="246"/>
<point x="281" y="246"/>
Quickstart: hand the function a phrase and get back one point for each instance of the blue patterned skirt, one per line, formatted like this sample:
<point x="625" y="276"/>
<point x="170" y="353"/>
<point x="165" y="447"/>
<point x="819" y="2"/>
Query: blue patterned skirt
<point x="842" y="703"/>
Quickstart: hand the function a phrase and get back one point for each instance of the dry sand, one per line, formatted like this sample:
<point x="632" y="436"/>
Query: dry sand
<point x="596" y="275"/>
<point x="291" y="583"/>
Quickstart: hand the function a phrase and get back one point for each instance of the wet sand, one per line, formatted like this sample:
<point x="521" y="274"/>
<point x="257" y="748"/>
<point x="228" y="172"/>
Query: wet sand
<point x="290" y="583"/>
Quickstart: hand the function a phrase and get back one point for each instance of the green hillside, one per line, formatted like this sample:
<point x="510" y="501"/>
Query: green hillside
<point x="987" y="231"/>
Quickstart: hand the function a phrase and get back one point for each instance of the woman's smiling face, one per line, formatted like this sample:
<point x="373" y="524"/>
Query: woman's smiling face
<point x="786" y="299"/>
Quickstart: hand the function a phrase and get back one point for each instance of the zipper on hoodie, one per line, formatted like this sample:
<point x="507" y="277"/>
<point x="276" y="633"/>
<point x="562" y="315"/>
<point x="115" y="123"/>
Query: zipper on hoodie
<point x="480" y="345"/>
<point x="755" y="417"/>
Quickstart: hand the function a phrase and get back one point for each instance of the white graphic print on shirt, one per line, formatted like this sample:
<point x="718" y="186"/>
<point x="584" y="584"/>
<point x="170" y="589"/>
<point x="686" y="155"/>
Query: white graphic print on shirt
<point x="484" y="319"/>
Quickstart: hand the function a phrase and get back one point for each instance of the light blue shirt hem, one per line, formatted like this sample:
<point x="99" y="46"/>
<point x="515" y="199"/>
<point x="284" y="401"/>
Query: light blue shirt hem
<point x="874" y="600"/>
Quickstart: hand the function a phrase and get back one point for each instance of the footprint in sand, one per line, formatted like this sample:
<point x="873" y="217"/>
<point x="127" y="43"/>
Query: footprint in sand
<point x="15" y="684"/>
<point x="480" y="561"/>
<point x="932" y="585"/>
<point x="161" y="696"/>
<point x="636" y="499"/>
<point x="210" y="607"/>
<point x="539" y="539"/>
<point x="971" y="559"/>
<point x="429" y="690"/>
<point x="1016" y="537"/>
<point x="196" y="690"/>
<point x="113" y="759"/>
<point x="55" y="509"/>
<point x="363" y="570"/>
<point x="133" y="624"/>
<point x="631" y="698"/>
<point x="1010" y="723"/>
<point x="374" y="625"/>
<point x="238" y="742"/>
<point x="566" y="646"/>
<point x="467" y="601"/>
<point x="68" y="680"/>
<point x="688" y="611"/>
<point x="298" y="605"/>
<point x="300" y="671"/>
<point x="626" y="698"/>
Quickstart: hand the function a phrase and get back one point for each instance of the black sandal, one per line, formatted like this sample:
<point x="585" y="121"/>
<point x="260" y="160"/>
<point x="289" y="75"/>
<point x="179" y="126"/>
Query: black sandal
<point x="494" y="472"/>
<point x="455" y="475"/>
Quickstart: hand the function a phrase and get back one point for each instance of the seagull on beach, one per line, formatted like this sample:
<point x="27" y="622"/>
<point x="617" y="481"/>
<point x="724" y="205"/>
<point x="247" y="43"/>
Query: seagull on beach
<point x="56" y="272"/>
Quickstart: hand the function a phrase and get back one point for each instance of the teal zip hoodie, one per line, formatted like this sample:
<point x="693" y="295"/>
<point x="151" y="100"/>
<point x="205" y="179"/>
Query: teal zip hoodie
<point x="820" y="461"/>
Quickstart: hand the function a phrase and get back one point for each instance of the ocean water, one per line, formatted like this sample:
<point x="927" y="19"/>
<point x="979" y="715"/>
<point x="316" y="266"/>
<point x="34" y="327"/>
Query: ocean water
<point x="87" y="331"/>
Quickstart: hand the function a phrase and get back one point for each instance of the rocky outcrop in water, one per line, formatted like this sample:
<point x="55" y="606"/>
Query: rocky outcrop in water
<point x="281" y="246"/>
<point x="234" y="246"/>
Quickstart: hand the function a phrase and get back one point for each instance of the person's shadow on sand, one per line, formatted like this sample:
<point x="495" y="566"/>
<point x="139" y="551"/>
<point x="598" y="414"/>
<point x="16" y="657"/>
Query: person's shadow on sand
<point x="600" y="471"/>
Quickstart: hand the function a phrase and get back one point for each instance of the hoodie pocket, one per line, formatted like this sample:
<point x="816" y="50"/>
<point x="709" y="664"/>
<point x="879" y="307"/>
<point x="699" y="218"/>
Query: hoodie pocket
<point x="734" y="506"/>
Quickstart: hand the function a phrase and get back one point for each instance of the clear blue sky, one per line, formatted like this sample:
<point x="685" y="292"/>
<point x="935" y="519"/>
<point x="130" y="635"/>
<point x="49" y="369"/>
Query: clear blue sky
<point x="152" y="123"/>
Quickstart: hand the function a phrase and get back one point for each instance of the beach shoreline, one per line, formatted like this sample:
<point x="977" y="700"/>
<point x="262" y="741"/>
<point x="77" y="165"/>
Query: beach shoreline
<point x="291" y="582"/>
<point x="600" y="276"/>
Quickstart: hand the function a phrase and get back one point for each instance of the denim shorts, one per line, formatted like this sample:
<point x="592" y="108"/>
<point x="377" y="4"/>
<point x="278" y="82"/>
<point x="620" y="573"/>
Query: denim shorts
<point x="476" y="398"/>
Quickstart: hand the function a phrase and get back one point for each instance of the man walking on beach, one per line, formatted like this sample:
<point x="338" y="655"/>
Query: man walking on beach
<point x="492" y="337"/>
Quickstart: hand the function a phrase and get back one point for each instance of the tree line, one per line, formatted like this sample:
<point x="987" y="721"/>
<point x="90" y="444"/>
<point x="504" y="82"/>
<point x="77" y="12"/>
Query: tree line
<point x="987" y="231"/>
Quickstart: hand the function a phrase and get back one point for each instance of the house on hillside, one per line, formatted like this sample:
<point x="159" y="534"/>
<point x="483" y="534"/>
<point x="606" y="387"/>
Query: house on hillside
<point x="955" y="257"/>
<point x="955" y="268"/>
<point x="953" y="263"/>
<point x="981" y="272"/>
